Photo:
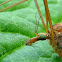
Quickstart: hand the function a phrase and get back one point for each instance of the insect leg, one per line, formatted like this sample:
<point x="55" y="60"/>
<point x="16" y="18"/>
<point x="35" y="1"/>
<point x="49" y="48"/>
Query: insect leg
<point x="12" y="5"/>
<point x="49" y="18"/>
<point x="5" y="2"/>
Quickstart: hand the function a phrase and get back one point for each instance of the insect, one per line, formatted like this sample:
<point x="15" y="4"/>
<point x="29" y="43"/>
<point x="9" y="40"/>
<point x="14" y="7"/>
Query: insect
<point x="54" y="34"/>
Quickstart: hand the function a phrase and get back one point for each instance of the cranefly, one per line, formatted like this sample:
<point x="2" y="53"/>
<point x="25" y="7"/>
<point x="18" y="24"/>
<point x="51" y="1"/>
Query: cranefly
<point x="54" y="34"/>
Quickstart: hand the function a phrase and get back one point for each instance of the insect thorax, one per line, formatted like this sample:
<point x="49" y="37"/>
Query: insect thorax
<point x="57" y="30"/>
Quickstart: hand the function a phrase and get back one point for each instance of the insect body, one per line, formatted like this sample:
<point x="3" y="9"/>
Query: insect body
<point x="57" y="30"/>
<point x="54" y="34"/>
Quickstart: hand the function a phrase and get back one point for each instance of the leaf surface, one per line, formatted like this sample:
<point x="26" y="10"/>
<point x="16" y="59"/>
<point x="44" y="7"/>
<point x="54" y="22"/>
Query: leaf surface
<point x="18" y="24"/>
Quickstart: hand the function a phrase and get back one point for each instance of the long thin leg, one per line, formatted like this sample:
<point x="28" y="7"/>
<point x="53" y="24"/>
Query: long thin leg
<point x="12" y="5"/>
<point x="40" y="14"/>
<point x="49" y="18"/>
<point x="5" y="2"/>
<point x="46" y="22"/>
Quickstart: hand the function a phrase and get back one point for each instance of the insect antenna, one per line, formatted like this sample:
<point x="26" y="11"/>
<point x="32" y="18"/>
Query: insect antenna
<point x="40" y="14"/>
<point x="13" y="5"/>
<point x="37" y="24"/>
<point x="5" y="2"/>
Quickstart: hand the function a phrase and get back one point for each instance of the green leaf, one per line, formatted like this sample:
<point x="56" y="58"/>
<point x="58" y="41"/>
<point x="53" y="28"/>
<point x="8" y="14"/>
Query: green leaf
<point x="18" y="24"/>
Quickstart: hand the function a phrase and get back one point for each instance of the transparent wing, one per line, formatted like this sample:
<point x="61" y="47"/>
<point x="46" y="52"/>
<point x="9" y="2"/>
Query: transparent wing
<point x="48" y="18"/>
<point x="13" y="5"/>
